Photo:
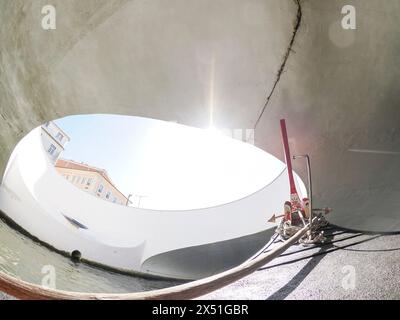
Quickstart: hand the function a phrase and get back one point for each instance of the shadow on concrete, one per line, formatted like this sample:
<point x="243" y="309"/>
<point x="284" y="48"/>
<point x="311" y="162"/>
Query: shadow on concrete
<point x="283" y="292"/>
<point x="371" y="250"/>
<point x="314" y="261"/>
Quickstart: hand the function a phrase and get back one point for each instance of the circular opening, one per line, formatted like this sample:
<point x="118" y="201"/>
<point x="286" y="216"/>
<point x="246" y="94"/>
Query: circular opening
<point x="154" y="164"/>
<point x="173" y="180"/>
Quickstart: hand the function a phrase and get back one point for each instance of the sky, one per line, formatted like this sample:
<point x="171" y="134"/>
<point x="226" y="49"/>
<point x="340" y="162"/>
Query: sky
<point x="168" y="166"/>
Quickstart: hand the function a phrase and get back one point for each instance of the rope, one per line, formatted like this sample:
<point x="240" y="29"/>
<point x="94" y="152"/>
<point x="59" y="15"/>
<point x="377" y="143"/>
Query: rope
<point x="24" y="290"/>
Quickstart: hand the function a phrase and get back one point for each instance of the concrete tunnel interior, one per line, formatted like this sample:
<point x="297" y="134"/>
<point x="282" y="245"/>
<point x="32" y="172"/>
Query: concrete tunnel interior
<point x="229" y="64"/>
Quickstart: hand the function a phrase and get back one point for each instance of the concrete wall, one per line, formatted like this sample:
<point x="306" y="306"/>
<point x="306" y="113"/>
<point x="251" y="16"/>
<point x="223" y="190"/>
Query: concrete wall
<point x="155" y="59"/>
<point x="339" y="93"/>
<point x="202" y="62"/>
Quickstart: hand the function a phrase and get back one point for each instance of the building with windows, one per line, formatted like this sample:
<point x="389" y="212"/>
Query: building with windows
<point x="54" y="140"/>
<point x="90" y="179"/>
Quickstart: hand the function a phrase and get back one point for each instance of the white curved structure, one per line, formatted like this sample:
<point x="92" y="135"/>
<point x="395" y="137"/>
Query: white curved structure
<point x="173" y="244"/>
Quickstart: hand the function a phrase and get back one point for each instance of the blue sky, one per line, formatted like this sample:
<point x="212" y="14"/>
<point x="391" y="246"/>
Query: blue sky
<point x="173" y="166"/>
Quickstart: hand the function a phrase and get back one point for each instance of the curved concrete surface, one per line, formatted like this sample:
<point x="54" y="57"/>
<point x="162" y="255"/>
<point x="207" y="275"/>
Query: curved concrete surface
<point x="208" y="259"/>
<point x="220" y="62"/>
<point x="36" y="197"/>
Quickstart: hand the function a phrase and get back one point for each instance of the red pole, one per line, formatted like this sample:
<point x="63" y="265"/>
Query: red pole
<point x="294" y="197"/>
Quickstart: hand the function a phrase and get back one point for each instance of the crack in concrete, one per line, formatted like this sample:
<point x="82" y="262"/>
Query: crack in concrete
<point x="284" y="60"/>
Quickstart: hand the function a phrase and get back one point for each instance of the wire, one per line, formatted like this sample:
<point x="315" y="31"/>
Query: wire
<point x="322" y="245"/>
<point x="269" y="243"/>
<point x="317" y="254"/>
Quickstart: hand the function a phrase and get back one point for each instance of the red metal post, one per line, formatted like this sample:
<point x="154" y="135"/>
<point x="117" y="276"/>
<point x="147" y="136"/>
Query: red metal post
<point x="294" y="197"/>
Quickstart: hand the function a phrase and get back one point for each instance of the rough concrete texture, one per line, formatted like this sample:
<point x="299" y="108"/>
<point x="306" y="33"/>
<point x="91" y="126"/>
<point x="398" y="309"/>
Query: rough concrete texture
<point x="222" y="63"/>
<point x="359" y="267"/>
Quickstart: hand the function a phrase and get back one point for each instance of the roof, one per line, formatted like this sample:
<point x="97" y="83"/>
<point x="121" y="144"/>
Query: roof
<point x="71" y="164"/>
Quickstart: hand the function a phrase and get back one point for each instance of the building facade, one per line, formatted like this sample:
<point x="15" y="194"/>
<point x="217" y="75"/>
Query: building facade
<point x="54" y="140"/>
<point x="92" y="180"/>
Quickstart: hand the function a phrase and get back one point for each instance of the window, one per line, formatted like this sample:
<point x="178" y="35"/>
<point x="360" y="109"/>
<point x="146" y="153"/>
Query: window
<point x="100" y="190"/>
<point x="78" y="180"/>
<point x="89" y="182"/>
<point x="67" y="177"/>
<point x="47" y="124"/>
<point x="108" y="195"/>
<point x="73" y="179"/>
<point x="51" y="149"/>
<point x="115" y="200"/>
<point x="59" y="136"/>
<point x="83" y="181"/>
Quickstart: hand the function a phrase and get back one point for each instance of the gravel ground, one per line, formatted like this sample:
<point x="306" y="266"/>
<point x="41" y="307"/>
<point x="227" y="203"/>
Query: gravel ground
<point x="350" y="266"/>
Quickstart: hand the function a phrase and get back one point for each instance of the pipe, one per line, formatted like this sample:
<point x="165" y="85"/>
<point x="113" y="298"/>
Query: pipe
<point x="309" y="183"/>
<point x="285" y="142"/>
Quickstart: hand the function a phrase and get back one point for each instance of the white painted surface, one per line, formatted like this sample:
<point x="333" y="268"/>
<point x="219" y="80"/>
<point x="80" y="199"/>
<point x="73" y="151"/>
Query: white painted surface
<point x="36" y="197"/>
<point x="54" y="140"/>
